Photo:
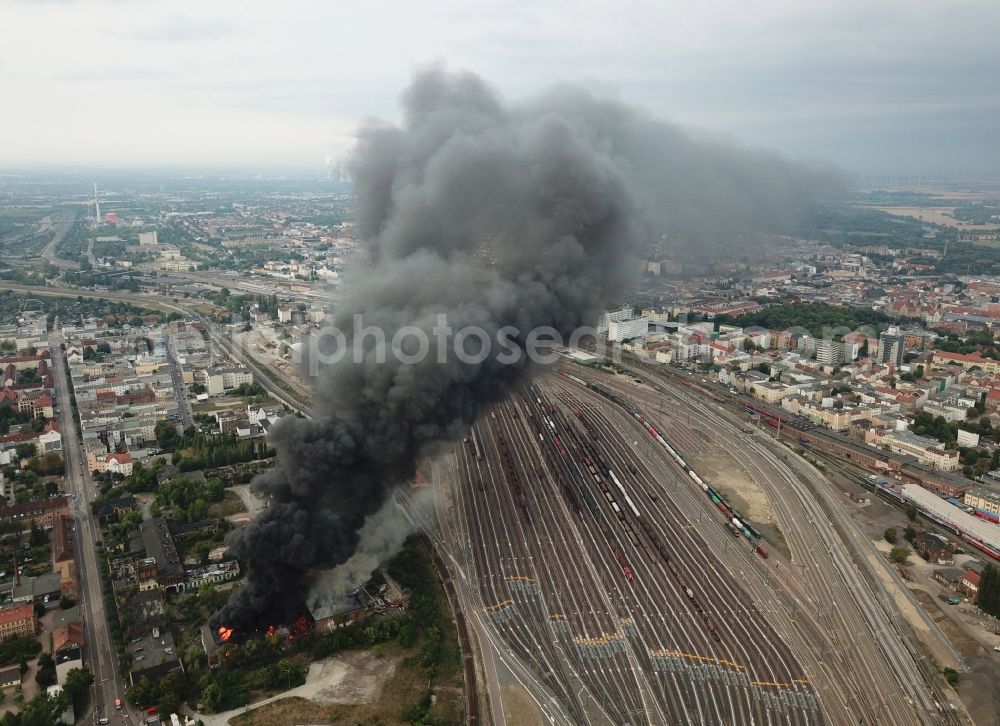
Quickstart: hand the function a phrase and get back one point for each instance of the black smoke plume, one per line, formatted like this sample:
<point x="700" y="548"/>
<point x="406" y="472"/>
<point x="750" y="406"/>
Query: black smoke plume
<point x="494" y="214"/>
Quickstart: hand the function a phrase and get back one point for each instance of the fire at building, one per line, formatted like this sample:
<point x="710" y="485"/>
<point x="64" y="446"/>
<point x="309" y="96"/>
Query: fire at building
<point x="353" y="607"/>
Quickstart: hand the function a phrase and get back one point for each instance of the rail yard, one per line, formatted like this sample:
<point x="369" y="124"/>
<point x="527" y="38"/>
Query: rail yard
<point x="609" y="577"/>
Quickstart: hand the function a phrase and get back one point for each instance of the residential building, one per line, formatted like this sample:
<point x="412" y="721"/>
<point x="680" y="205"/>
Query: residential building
<point x="613" y="316"/>
<point x="43" y="512"/>
<point x="830" y="352"/>
<point x="18" y="620"/>
<point x="970" y="584"/>
<point x="891" y="348"/>
<point x="622" y="330"/>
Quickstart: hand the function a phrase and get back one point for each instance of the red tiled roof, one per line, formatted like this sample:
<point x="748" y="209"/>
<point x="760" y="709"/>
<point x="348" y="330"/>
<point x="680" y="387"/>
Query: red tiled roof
<point x="68" y="634"/>
<point x="16" y="613"/>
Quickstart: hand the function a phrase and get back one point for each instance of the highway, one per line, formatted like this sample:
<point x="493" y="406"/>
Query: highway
<point x="63" y="226"/>
<point x="102" y="658"/>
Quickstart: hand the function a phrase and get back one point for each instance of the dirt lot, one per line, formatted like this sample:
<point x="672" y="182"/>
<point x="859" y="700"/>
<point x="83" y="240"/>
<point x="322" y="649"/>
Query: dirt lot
<point x="732" y="481"/>
<point x="978" y="687"/>
<point x="357" y="687"/>
<point x="519" y="708"/>
<point x="740" y="489"/>
<point x="230" y="505"/>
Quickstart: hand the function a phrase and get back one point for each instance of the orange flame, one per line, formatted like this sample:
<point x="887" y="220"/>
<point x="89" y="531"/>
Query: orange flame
<point x="225" y="633"/>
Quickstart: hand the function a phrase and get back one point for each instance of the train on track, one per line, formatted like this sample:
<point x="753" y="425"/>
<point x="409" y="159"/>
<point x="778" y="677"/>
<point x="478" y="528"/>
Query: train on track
<point x="733" y="517"/>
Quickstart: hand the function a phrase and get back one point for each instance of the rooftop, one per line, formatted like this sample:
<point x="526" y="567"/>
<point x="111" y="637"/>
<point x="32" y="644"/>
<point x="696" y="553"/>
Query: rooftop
<point x="17" y="613"/>
<point x="159" y="545"/>
<point x="151" y="652"/>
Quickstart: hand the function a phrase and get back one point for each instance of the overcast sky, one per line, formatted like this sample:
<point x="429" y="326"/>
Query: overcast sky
<point x="876" y="86"/>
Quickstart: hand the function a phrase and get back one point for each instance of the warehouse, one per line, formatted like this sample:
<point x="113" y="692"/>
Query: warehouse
<point x="976" y="528"/>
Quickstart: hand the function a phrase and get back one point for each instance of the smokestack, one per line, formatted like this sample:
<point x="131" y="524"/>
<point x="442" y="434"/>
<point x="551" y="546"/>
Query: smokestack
<point x="503" y="218"/>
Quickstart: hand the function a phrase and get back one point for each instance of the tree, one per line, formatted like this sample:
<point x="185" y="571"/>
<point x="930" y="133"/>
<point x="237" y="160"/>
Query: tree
<point x="211" y="697"/>
<point x="899" y="555"/>
<point x="143" y="693"/>
<point x="951" y="675"/>
<point x="890" y="535"/>
<point x="78" y="680"/>
<point x="166" y="435"/>
<point x="104" y="347"/>
<point x="911" y="512"/>
<point x="43" y="710"/>
<point x="46" y="675"/>
<point x="173" y="688"/>
<point x="25" y="451"/>
<point x="988" y="598"/>
<point x="209" y="596"/>
<point x="215" y="490"/>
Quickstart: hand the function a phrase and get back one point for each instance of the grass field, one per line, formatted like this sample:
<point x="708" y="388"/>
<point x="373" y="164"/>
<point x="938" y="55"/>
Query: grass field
<point x="943" y="216"/>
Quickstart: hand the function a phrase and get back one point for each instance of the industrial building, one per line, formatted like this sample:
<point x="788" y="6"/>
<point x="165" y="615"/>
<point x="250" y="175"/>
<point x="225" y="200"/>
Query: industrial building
<point x="985" y="502"/>
<point x="949" y="514"/>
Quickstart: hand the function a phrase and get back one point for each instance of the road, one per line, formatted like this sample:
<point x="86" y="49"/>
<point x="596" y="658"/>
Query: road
<point x="180" y="390"/>
<point x="65" y="223"/>
<point x="101" y="654"/>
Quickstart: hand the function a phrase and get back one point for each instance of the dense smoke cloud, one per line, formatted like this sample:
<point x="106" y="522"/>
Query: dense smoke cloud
<point x="494" y="214"/>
